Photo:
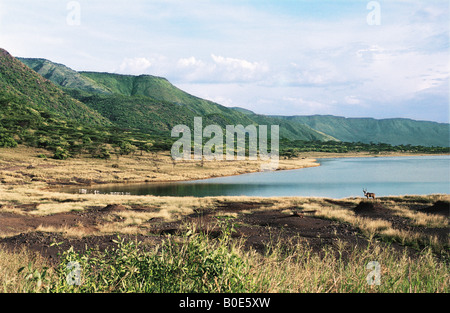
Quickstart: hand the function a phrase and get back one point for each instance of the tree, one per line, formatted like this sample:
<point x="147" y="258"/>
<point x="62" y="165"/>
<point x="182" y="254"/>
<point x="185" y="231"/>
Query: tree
<point x="61" y="154"/>
<point x="6" y="141"/>
<point x="126" y="148"/>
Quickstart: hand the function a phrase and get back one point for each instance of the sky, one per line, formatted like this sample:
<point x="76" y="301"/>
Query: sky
<point x="352" y="58"/>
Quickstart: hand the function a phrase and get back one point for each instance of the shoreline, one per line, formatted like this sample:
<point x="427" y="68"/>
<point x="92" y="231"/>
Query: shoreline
<point x="315" y="163"/>
<point x="21" y="167"/>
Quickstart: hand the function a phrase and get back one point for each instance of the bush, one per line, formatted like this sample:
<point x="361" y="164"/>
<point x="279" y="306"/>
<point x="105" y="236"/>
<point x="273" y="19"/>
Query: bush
<point x="126" y="148"/>
<point x="102" y="153"/>
<point x="61" y="154"/>
<point x="197" y="263"/>
<point x="7" y="142"/>
<point x="193" y="265"/>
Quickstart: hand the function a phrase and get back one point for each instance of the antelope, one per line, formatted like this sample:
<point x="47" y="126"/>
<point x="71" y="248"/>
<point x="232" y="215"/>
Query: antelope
<point x="369" y="194"/>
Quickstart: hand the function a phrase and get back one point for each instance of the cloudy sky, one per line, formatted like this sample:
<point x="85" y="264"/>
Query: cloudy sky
<point x="353" y="58"/>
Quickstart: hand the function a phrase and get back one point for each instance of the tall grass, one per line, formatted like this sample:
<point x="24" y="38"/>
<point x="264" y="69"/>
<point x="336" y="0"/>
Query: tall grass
<point x="343" y="269"/>
<point x="11" y="281"/>
<point x="196" y="262"/>
<point x="192" y="263"/>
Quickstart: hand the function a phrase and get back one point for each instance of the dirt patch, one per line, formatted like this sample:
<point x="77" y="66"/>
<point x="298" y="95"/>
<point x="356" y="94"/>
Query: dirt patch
<point x="86" y="221"/>
<point x="231" y="206"/>
<point x="253" y="221"/>
<point x="371" y="209"/>
<point x="52" y="245"/>
<point x="112" y="208"/>
<point x="440" y="207"/>
<point x="263" y="227"/>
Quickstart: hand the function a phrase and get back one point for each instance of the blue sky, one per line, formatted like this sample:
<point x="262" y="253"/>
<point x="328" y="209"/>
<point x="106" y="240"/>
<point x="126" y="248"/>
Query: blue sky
<point x="297" y="57"/>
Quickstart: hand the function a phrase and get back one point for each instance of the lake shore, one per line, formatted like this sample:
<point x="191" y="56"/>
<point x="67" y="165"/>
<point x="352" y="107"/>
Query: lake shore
<point x="36" y="169"/>
<point x="28" y="181"/>
<point x="34" y="214"/>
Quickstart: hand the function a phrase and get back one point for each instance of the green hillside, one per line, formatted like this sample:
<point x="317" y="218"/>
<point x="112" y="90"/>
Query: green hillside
<point x="62" y="75"/>
<point x="37" y="113"/>
<point x="19" y="81"/>
<point x="394" y="131"/>
<point x="149" y="103"/>
<point x="152" y="105"/>
<point x="160" y="97"/>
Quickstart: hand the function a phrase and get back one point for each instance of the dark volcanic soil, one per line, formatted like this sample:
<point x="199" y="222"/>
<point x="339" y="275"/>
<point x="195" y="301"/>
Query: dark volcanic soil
<point x="256" y="224"/>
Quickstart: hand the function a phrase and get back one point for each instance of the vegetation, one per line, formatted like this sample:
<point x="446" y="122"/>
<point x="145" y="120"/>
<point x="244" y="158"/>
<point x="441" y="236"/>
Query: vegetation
<point x="66" y="115"/>
<point x="40" y="128"/>
<point x="394" y="131"/>
<point x="292" y="149"/>
<point x="197" y="263"/>
<point x="142" y="110"/>
<point x="19" y="81"/>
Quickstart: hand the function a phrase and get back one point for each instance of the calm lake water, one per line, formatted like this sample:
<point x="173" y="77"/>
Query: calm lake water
<point x="335" y="178"/>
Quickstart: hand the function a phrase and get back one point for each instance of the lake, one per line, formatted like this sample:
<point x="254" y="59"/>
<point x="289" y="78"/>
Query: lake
<point x="335" y="178"/>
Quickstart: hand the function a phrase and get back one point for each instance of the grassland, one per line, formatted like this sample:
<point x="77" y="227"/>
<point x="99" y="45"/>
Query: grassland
<point x="289" y="244"/>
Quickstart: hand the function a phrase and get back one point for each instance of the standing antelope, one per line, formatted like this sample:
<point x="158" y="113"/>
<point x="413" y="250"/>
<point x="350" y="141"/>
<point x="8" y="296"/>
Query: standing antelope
<point x="369" y="194"/>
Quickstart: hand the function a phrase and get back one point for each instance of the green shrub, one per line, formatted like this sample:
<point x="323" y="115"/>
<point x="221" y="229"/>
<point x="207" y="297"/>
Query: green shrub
<point x="194" y="264"/>
<point x="102" y="153"/>
<point x="7" y="142"/>
<point x="61" y="154"/>
<point x="126" y="148"/>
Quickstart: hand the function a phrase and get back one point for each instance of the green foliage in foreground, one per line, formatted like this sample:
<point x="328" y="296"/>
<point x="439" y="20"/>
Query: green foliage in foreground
<point x="196" y="263"/>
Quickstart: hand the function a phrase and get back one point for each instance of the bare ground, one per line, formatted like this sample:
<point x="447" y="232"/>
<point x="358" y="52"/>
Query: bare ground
<point x="256" y="222"/>
<point x="33" y="215"/>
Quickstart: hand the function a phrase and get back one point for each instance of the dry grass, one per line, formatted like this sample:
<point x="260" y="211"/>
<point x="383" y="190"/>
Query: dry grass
<point x="175" y="208"/>
<point x="10" y="262"/>
<point x="420" y="218"/>
<point x="21" y="165"/>
<point x="25" y="181"/>
<point x="301" y="270"/>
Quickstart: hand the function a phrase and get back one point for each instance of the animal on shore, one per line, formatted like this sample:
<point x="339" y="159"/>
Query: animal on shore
<point x="369" y="194"/>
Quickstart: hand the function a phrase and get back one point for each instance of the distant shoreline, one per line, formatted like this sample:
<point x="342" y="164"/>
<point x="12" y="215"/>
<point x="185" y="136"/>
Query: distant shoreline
<point x="316" y="163"/>
<point x="21" y="166"/>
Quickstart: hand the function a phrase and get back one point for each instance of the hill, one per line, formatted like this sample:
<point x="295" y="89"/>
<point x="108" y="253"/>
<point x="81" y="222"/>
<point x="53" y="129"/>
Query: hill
<point x="36" y="112"/>
<point x="152" y="104"/>
<point x="149" y="103"/>
<point x="20" y="82"/>
<point x="394" y="131"/>
<point x="62" y="75"/>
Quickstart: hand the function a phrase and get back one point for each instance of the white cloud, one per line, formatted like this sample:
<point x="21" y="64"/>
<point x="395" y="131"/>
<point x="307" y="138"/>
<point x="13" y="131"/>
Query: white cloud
<point x="218" y="69"/>
<point x="189" y="62"/>
<point x="306" y="106"/>
<point x="238" y="64"/>
<point x="352" y="100"/>
<point x="316" y="56"/>
<point x="134" y="66"/>
<point x="233" y="69"/>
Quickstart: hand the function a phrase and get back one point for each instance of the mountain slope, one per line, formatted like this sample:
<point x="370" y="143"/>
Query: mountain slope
<point x="160" y="89"/>
<point x="395" y="131"/>
<point x="149" y="103"/>
<point x="62" y="75"/>
<point x="20" y="82"/>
